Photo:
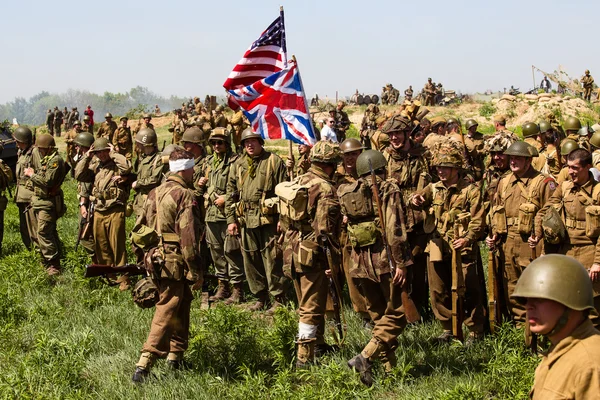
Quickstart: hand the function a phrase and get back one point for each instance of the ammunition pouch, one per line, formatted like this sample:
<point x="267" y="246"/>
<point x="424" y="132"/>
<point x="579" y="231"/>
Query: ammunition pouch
<point x="527" y="213"/>
<point x="363" y="234"/>
<point x="307" y="253"/>
<point x="145" y="238"/>
<point x="355" y="199"/>
<point x="269" y="206"/>
<point x="435" y="249"/>
<point x="498" y="217"/>
<point x="592" y="221"/>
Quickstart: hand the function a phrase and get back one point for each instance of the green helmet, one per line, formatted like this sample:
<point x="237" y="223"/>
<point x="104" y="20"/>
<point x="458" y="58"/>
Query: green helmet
<point x="219" y="134"/>
<point x="249" y="134"/>
<point x="545" y="126"/>
<point x="499" y="142"/>
<point x="325" y="152"/>
<point x="45" y="141"/>
<point x="23" y="134"/>
<point x="595" y="140"/>
<point x="471" y="123"/>
<point x="86" y="118"/>
<point x="396" y="124"/>
<point x="193" y="135"/>
<point x="367" y="159"/>
<point x="453" y="120"/>
<point x="572" y="124"/>
<point x="145" y="293"/>
<point x="169" y="149"/>
<point x="101" y="144"/>
<point x="351" y="144"/>
<point x="84" y="139"/>
<point x="530" y="129"/>
<point x="108" y="115"/>
<point x="567" y="146"/>
<point x="558" y="278"/>
<point x="219" y="108"/>
<point x="147" y="115"/>
<point x="519" y="148"/>
<point x="76" y="123"/>
<point x="146" y="137"/>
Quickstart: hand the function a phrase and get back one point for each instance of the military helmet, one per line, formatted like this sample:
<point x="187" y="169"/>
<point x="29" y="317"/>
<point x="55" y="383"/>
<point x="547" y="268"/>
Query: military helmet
<point x="84" y="139"/>
<point x="166" y="153"/>
<point x="437" y="121"/>
<point x="397" y="123"/>
<point x="77" y="123"/>
<point x="567" y="146"/>
<point x="101" y="144"/>
<point x="585" y="131"/>
<point x="325" y="152"/>
<point x="219" y="108"/>
<point x="219" y="134"/>
<point x="587" y="71"/>
<point x="367" y="159"/>
<point x="123" y="119"/>
<point x="146" y="137"/>
<point x="530" y="129"/>
<point x="23" y="134"/>
<point x="351" y="144"/>
<point x="545" y="126"/>
<point x="453" y="120"/>
<point x="572" y="124"/>
<point x="193" y="135"/>
<point x="145" y="293"/>
<point x="108" y="115"/>
<point x="470" y="123"/>
<point x="595" y="140"/>
<point x="45" y="141"/>
<point x="559" y="278"/>
<point x="86" y="118"/>
<point x="499" y="142"/>
<point x="519" y="148"/>
<point x="447" y="153"/>
<point x="147" y="115"/>
<point x="249" y="134"/>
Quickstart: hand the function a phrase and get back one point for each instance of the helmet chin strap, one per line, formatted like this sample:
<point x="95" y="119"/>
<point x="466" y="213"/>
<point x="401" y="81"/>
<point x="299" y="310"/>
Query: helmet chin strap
<point x="560" y="324"/>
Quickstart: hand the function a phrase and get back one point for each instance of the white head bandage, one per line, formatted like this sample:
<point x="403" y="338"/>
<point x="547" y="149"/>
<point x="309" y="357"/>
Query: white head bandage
<point x="181" y="165"/>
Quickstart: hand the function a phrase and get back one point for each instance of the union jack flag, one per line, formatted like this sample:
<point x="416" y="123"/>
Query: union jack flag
<point x="276" y="106"/>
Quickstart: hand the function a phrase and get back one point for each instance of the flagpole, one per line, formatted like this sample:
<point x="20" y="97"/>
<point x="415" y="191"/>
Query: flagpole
<point x="283" y="43"/>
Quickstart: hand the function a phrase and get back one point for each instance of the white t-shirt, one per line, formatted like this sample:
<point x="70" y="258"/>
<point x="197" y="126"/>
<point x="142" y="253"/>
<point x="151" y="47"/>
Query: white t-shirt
<point x="328" y="134"/>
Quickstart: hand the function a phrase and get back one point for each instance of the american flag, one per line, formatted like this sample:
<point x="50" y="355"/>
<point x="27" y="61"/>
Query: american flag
<point x="276" y="106"/>
<point x="266" y="55"/>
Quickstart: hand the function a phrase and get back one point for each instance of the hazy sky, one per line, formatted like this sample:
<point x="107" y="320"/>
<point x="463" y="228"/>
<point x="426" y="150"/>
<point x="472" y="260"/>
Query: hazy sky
<point x="188" y="48"/>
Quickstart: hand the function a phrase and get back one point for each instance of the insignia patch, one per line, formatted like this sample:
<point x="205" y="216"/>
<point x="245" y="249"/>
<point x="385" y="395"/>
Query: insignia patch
<point x="552" y="185"/>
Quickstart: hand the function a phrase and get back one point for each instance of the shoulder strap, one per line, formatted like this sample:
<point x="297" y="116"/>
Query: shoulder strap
<point x="270" y="167"/>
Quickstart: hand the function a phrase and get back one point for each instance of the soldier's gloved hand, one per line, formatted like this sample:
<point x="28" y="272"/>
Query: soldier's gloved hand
<point x="595" y="273"/>
<point x="233" y="229"/>
<point x="399" y="277"/>
<point x="491" y="242"/>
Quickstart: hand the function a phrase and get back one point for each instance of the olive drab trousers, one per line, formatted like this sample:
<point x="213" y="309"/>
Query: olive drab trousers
<point x="27" y="225"/>
<point x="47" y="236"/>
<point x="109" y="236"/>
<point x="229" y="265"/>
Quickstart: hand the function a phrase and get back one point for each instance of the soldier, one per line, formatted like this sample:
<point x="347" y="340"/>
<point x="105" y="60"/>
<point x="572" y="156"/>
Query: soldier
<point x="107" y="128"/>
<point x="342" y="122"/>
<point x="157" y="112"/>
<point x="145" y="124"/>
<point x="579" y="199"/>
<point x="24" y="191"/>
<point x="150" y="168"/>
<point x="379" y="275"/>
<point x="453" y="201"/>
<point x="50" y="122"/>
<point x="419" y="135"/>
<point x="238" y="123"/>
<point x="253" y="178"/>
<point x="66" y="115"/>
<point x="87" y="125"/>
<point x="495" y="146"/>
<point x="595" y="145"/>
<point x="407" y="166"/>
<point x="571" y="127"/>
<point x="516" y="225"/>
<point x="180" y="125"/>
<point x="368" y="125"/>
<point x="475" y="144"/>
<point x="500" y="123"/>
<point x="311" y="226"/>
<point x="109" y="171"/>
<point x="550" y="152"/>
<point x="58" y="120"/>
<point x="303" y="160"/>
<point x="82" y="143"/>
<point x="588" y="84"/>
<point x="70" y="141"/>
<point x="6" y="178"/>
<point x="384" y="95"/>
<point x="531" y="135"/>
<point x="408" y="94"/>
<point x="199" y="107"/>
<point x="566" y="147"/>
<point x="429" y="90"/>
<point x="74" y="115"/>
<point x="438" y="129"/>
<point x="220" y="120"/>
<point x="174" y="216"/>
<point x="557" y="294"/>
<point x="122" y="140"/>
<point x="46" y="174"/>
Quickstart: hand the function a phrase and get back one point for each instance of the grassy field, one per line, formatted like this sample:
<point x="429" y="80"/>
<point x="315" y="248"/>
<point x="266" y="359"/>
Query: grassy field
<point x="79" y="338"/>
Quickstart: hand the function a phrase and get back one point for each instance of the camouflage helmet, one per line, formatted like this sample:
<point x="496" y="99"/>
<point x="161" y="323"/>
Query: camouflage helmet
<point x="248" y="133"/>
<point x="101" y="144"/>
<point x="519" y="148"/>
<point x="76" y="123"/>
<point x="367" y="159"/>
<point x="559" y="278"/>
<point x="219" y="134"/>
<point x="530" y="129"/>
<point x="84" y="139"/>
<point x="145" y="293"/>
<point x="147" y="115"/>
<point x="219" y="108"/>
<point x="567" y="146"/>
<point x="23" y="134"/>
<point x="351" y="144"/>
<point x="447" y="153"/>
<point x="193" y="135"/>
<point x="86" y="118"/>
<point x="325" y="152"/>
<point x="108" y="115"/>
<point x="545" y="126"/>
<point x="435" y="121"/>
<point x="572" y="124"/>
<point x="499" y="142"/>
<point x="471" y="123"/>
<point x="146" y="137"/>
<point x="397" y="123"/>
<point x="595" y="140"/>
<point x="45" y="141"/>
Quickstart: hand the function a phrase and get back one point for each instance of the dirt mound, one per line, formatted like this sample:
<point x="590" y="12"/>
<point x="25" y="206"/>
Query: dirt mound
<point x="522" y="109"/>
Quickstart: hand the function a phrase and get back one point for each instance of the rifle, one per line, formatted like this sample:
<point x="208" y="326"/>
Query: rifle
<point x="89" y="222"/>
<point x="533" y="249"/>
<point x="335" y="290"/>
<point x="458" y="289"/>
<point x="495" y="316"/>
<point x="410" y="309"/>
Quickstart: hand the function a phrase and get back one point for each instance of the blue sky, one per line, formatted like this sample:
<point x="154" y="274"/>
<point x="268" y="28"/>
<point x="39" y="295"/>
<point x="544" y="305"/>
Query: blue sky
<point x="188" y="48"/>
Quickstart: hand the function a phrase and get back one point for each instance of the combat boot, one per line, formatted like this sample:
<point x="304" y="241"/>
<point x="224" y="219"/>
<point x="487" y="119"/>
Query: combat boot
<point x="176" y="362"/>
<point x="237" y="295"/>
<point x="260" y="303"/>
<point x="388" y="360"/>
<point x="222" y="292"/>
<point x="142" y="368"/>
<point x="53" y="268"/>
<point x="279" y="302"/>
<point x="363" y="363"/>
<point x="305" y="354"/>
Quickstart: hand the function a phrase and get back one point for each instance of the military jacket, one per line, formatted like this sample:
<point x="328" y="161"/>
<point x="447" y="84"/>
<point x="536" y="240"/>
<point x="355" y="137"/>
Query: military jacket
<point x="27" y="159"/>
<point x="123" y="142"/>
<point x="143" y="125"/>
<point x="491" y="179"/>
<point x="49" y="174"/>
<point x="550" y="155"/>
<point x="107" y="130"/>
<point x="302" y="165"/>
<point x="342" y="122"/>
<point x="150" y="172"/>
<point x="106" y="193"/>
<point x="596" y="159"/>
<point x="432" y="139"/>
<point x="587" y="81"/>
<point x="220" y="121"/>
<point x="342" y="176"/>
<point x="254" y="180"/>
<point x="217" y="170"/>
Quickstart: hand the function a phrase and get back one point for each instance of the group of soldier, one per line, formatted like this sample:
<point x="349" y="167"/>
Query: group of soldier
<point x="57" y="120"/>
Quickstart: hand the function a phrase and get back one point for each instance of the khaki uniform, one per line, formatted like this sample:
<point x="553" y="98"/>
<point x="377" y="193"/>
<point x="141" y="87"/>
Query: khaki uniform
<point x="50" y="122"/>
<point x="149" y="175"/>
<point x="123" y="142"/>
<point x="227" y="259"/>
<point x="254" y="179"/>
<point x="475" y="150"/>
<point x="220" y="121"/>
<point x="410" y="171"/>
<point x="534" y="189"/>
<point x="239" y="124"/>
<point x="24" y="194"/>
<point x="58" y="120"/>
<point x="142" y="125"/>
<point x="574" y="200"/>
<point x="432" y="139"/>
<point x="48" y="204"/>
<point x="460" y="203"/>
<point x="540" y="161"/>
<point x="342" y="123"/>
<point x="588" y="85"/>
<point x="171" y="207"/>
<point x="571" y="369"/>
<point x="107" y="130"/>
<point x="563" y="176"/>
<point x="70" y="153"/>
<point x="429" y="90"/>
<point x="84" y="192"/>
<point x="596" y="159"/>
<point x="551" y="167"/>
<point x="6" y="177"/>
<point x="109" y="199"/>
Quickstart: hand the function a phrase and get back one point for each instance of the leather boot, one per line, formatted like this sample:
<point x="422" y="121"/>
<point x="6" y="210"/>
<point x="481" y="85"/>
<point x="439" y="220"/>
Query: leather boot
<point x="279" y="302"/>
<point x="306" y="353"/>
<point x="53" y="269"/>
<point x="222" y="292"/>
<point x="260" y="303"/>
<point x="388" y="360"/>
<point x="237" y="295"/>
<point x="142" y="368"/>
<point x="363" y="363"/>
